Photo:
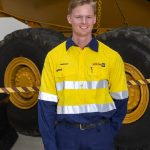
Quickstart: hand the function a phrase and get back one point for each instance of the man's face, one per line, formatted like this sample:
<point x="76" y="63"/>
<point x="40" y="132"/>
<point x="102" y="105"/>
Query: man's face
<point x="82" y="20"/>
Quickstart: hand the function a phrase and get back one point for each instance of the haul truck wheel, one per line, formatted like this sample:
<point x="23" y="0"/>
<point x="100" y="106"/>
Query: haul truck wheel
<point x="134" y="48"/>
<point x="8" y="135"/>
<point x="2" y="96"/>
<point x="143" y="31"/>
<point x="22" y="56"/>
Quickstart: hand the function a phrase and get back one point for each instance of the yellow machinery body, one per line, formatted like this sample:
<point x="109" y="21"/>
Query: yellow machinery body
<point x="52" y="14"/>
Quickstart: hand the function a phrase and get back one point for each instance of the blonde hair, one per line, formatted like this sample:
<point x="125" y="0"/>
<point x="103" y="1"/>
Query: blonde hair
<point x="74" y="3"/>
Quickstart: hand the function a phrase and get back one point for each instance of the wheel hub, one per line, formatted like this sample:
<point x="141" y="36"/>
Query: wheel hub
<point x="25" y="78"/>
<point x="22" y="72"/>
<point x="138" y="95"/>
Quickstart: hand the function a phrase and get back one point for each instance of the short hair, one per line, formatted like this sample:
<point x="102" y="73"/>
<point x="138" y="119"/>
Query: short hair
<point x="74" y="3"/>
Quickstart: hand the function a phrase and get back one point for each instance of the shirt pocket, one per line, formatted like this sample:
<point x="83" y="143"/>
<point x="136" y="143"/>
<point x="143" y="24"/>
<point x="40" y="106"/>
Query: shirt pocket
<point x="97" y="73"/>
<point x="64" y="72"/>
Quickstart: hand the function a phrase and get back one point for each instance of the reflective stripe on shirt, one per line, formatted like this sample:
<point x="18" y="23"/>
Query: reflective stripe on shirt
<point x="119" y="95"/>
<point x="47" y="97"/>
<point x="89" y="108"/>
<point x="81" y="85"/>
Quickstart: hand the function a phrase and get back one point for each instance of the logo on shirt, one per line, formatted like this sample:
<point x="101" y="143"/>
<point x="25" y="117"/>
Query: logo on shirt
<point x="99" y="64"/>
<point x="60" y="69"/>
<point x="64" y="63"/>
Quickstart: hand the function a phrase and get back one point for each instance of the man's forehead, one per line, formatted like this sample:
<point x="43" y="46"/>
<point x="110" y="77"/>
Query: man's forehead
<point x="83" y="9"/>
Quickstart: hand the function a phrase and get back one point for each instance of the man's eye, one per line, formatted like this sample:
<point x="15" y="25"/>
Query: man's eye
<point x="78" y="17"/>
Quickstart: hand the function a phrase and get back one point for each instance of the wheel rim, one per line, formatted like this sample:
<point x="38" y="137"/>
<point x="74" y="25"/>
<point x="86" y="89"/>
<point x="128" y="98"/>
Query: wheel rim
<point x="138" y="95"/>
<point x="22" y="72"/>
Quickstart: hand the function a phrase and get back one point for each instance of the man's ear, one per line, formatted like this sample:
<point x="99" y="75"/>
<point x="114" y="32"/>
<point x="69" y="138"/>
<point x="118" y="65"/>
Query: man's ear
<point x="69" y="19"/>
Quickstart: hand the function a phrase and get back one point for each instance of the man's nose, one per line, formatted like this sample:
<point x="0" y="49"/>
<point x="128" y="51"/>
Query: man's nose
<point x="84" y="20"/>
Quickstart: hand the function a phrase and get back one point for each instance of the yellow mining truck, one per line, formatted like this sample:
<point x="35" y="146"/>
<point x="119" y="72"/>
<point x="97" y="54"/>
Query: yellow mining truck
<point x="121" y="24"/>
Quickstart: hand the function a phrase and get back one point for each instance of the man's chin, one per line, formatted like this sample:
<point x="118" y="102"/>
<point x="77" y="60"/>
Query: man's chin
<point x="84" y="34"/>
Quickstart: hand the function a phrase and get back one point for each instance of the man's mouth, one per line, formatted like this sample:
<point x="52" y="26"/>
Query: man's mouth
<point x="83" y="27"/>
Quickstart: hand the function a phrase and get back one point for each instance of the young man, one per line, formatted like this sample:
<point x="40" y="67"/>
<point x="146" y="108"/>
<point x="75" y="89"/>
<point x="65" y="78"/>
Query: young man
<point x="83" y="94"/>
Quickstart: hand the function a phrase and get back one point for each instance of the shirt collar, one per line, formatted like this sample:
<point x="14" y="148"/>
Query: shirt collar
<point x="93" y="44"/>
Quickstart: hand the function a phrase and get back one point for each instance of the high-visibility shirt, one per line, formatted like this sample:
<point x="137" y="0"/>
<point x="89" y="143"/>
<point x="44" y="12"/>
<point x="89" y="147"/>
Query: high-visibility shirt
<point x="81" y="86"/>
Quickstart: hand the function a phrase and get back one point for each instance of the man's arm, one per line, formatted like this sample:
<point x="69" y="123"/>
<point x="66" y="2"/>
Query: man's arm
<point x="47" y="104"/>
<point x="46" y="120"/>
<point x="119" y="92"/>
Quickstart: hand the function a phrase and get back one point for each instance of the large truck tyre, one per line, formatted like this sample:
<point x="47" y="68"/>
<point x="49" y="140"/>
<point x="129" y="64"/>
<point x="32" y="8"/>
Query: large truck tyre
<point x="143" y="31"/>
<point x="23" y="120"/>
<point x="2" y="95"/>
<point x="8" y="135"/>
<point x="22" y="56"/>
<point x="133" y="44"/>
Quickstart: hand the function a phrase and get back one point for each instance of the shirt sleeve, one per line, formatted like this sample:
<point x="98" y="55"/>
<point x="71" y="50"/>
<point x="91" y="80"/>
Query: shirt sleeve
<point x="47" y="105"/>
<point x="119" y="92"/>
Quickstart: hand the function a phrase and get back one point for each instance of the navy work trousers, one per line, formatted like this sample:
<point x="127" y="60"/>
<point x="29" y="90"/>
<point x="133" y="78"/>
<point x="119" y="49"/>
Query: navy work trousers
<point x="72" y="138"/>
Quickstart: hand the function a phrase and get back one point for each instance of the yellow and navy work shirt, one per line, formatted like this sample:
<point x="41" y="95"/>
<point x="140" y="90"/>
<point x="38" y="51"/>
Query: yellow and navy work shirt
<point x="81" y="86"/>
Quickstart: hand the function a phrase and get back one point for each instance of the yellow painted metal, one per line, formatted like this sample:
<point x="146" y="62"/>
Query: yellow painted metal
<point x="22" y="72"/>
<point x="44" y="13"/>
<point x="138" y="95"/>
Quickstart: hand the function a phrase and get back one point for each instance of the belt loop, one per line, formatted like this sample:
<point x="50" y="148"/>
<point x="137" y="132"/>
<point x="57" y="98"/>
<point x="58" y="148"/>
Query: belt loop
<point x="81" y="128"/>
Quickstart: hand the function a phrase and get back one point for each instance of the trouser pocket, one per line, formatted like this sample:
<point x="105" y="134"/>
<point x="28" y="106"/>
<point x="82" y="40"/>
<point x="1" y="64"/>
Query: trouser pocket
<point x="66" y="138"/>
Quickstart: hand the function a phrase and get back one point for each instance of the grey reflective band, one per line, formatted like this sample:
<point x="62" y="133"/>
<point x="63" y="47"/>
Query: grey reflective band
<point x="119" y="95"/>
<point x="89" y="108"/>
<point x="47" y="97"/>
<point x="81" y="85"/>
